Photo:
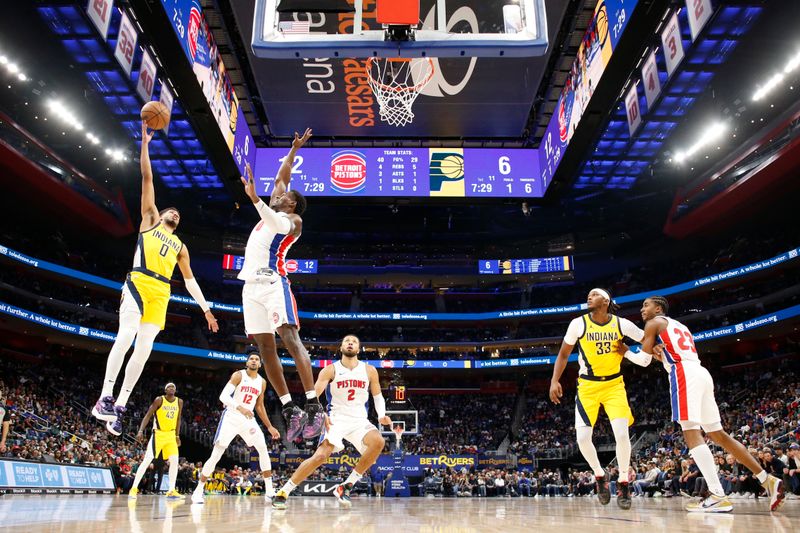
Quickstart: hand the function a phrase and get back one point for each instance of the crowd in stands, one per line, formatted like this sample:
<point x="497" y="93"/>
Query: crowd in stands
<point x="760" y="403"/>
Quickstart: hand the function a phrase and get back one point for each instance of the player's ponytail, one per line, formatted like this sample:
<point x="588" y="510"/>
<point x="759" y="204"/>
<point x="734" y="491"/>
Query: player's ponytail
<point x="612" y="307"/>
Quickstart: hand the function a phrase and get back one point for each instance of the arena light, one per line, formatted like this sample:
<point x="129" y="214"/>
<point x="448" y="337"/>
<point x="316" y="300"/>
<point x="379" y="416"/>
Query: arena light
<point x="714" y="132"/>
<point x="771" y="83"/>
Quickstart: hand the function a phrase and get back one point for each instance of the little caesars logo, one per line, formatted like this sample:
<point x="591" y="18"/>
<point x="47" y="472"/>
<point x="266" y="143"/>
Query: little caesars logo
<point x="444" y="460"/>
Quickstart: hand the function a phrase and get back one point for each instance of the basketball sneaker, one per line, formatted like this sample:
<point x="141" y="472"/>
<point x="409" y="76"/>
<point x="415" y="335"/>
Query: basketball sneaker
<point x="603" y="492"/>
<point x="104" y="409"/>
<point x="316" y="420"/>
<point x="711" y="504"/>
<point x="624" y="498"/>
<point x="342" y="493"/>
<point x="133" y="493"/>
<point x="174" y="495"/>
<point x="279" y="501"/>
<point x="776" y="492"/>
<point x="296" y="420"/>
<point x="115" y="427"/>
<point x="198" y="496"/>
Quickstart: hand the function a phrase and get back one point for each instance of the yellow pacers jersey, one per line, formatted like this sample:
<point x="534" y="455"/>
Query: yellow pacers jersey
<point x="600" y="347"/>
<point x="166" y="418"/>
<point x="157" y="253"/>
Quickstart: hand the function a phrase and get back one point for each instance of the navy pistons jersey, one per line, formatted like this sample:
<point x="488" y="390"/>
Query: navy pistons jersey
<point x="348" y="392"/>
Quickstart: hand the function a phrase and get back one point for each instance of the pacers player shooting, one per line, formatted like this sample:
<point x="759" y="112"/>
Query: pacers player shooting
<point x="267" y="301"/>
<point x="145" y="295"/>
<point x="165" y="439"/>
<point x="601" y="337"/>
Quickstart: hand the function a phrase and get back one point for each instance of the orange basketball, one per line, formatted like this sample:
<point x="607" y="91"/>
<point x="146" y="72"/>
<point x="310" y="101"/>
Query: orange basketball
<point x="156" y="115"/>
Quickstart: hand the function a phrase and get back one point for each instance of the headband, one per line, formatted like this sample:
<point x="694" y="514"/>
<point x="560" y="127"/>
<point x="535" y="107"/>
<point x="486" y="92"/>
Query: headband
<point x="168" y="384"/>
<point x="603" y="293"/>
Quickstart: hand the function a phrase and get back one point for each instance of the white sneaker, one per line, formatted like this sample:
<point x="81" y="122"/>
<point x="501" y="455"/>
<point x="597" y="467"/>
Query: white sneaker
<point x="712" y="504"/>
<point x="198" y="497"/>
<point x="775" y="491"/>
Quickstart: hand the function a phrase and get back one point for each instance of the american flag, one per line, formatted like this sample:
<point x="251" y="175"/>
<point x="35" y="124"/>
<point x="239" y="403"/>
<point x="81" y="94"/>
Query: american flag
<point x="294" y="26"/>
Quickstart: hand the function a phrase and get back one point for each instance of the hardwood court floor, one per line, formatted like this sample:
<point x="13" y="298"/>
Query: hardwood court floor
<point x="151" y="514"/>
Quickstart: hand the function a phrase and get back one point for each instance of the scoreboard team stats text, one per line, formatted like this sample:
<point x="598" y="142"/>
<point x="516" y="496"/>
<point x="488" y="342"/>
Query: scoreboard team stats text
<point x="431" y="172"/>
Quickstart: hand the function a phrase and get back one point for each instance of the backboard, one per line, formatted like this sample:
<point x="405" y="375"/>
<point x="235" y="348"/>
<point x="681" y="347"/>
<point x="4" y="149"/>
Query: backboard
<point x="408" y="420"/>
<point x="505" y="28"/>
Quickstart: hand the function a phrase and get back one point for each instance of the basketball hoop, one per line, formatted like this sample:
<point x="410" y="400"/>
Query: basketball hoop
<point x="396" y="83"/>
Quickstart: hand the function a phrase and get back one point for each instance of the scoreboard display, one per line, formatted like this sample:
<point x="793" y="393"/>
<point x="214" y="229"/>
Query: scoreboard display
<point x="526" y="266"/>
<point x="293" y="266"/>
<point x="425" y="172"/>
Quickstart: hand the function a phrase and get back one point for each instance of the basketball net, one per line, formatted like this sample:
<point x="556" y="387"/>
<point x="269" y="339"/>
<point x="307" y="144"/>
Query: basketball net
<point x="392" y="82"/>
<point x="398" y="432"/>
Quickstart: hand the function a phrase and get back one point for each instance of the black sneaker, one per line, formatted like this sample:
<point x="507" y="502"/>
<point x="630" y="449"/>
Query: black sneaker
<point x="316" y="420"/>
<point x="296" y="420"/>
<point x="624" y="498"/>
<point x="603" y="492"/>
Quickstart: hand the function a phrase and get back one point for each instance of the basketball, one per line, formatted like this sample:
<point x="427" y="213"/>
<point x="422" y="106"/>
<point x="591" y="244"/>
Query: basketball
<point x="156" y="115"/>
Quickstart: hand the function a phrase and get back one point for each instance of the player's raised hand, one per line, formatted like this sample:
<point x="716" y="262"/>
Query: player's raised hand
<point x="146" y="137"/>
<point x="385" y="421"/>
<point x="250" y="184"/>
<point x="555" y="392"/>
<point x="299" y="141"/>
<point x="212" y="321"/>
<point x="274" y="432"/>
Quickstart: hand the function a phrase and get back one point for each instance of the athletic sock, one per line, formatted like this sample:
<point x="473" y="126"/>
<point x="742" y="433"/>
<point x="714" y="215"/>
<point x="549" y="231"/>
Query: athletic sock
<point x="286" y="398"/>
<point x="705" y="462"/>
<point x="353" y="478"/>
<point x="268" y="488"/>
<point x="762" y="477"/>
<point x="311" y="395"/>
<point x="288" y="487"/>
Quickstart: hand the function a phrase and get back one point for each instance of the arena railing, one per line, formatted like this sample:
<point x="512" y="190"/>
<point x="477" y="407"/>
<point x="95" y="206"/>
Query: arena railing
<point x="706" y="281"/>
<point x="66" y="327"/>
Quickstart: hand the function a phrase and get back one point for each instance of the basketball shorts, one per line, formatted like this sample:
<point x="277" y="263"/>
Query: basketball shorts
<point x="147" y="296"/>
<point x="233" y="423"/>
<point x="592" y="394"/>
<point x="351" y="429"/>
<point x="691" y="391"/>
<point x="164" y="444"/>
<point x="268" y="305"/>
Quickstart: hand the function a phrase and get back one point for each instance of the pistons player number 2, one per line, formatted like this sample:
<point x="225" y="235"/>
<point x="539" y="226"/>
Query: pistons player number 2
<point x="351" y="395"/>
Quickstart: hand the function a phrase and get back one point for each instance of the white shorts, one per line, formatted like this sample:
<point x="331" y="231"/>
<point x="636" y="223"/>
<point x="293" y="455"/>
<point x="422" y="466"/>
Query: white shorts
<point x="692" y="396"/>
<point x="267" y="305"/>
<point x="233" y="423"/>
<point x="351" y="429"/>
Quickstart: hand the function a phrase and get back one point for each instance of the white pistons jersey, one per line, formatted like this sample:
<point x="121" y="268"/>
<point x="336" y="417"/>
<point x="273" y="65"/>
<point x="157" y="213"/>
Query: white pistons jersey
<point x="678" y="344"/>
<point x="265" y="254"/>
<point x="247" y="391"/>
<point x="348" y="392"/>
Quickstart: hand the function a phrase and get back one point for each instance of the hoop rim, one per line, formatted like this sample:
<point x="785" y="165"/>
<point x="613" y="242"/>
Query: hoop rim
<point x="383" y="86"/>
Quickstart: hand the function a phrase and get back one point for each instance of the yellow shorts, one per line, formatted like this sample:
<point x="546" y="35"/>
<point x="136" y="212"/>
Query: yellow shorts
<point x="592" y="394"/>
<point x="147" y="296"/>
<point x="163" y="443"/>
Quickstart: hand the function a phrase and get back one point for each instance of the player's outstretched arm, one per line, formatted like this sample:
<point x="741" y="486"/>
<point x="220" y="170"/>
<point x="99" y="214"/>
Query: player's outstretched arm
<point x="272" y="220"/>
<point x="184" y="263"/>
<point x="285" y="172"/>
<point x="261" y="411"/>
<point x="377" y="396"/>
<point x="149" y="209"/>
<point x="147" y="416"/>
<point x="632" y="332"/>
